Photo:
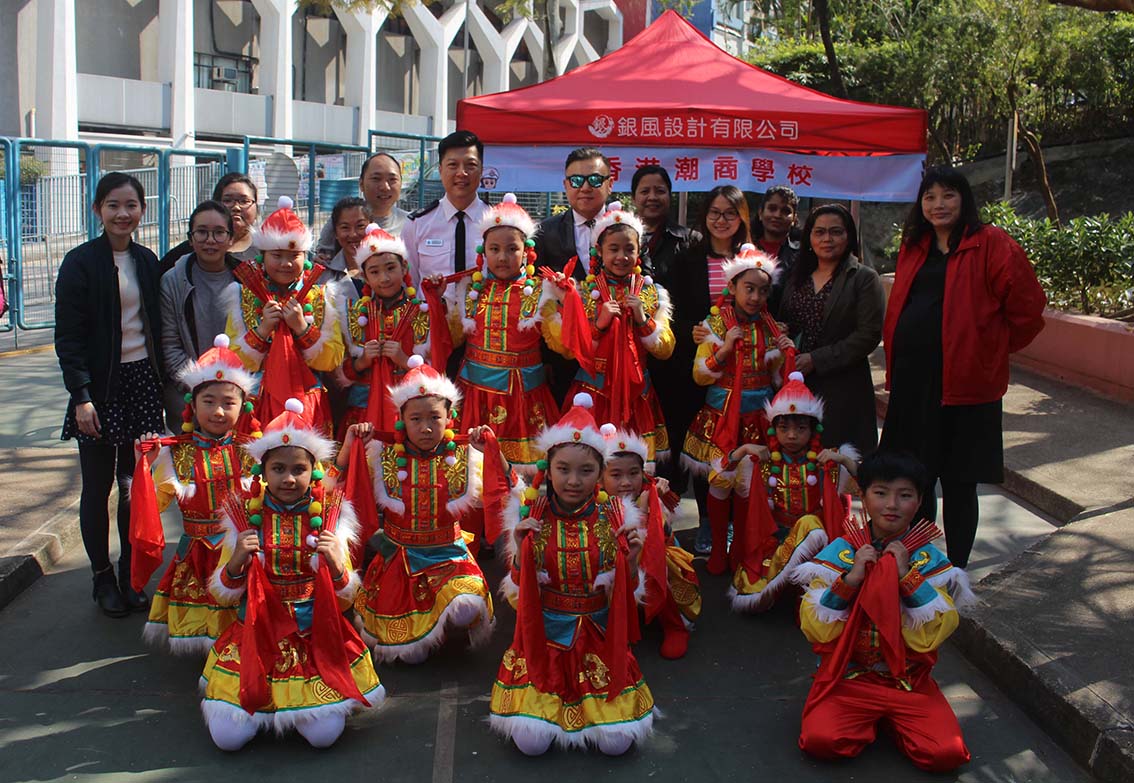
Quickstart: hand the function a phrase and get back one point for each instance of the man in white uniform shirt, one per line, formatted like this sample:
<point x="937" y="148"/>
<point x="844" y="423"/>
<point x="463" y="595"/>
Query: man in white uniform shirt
<point x="441" y="237"/>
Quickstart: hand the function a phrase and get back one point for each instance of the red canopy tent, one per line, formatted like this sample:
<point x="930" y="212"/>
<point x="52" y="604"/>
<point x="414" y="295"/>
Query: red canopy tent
<point x="672" y="93"/>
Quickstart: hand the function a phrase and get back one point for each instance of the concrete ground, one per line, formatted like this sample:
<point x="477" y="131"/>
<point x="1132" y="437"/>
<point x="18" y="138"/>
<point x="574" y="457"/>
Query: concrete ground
<point x="84" y="700"/>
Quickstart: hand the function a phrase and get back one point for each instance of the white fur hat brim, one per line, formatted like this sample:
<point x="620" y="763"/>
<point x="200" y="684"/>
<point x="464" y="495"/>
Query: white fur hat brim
<point x="320" y="448"/>
<point x="623" y="442"/>
<point x="439" y="386"/>
<point x="372" y="247"/>
<point x="194" y="374"/>
<point x="266" y="239"/>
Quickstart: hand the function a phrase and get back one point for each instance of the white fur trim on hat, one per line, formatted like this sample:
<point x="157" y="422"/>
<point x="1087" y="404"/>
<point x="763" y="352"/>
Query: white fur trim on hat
<point x="564" y="434"/>
<point x="282" y="231"/>
<point x="290" y="434"/>
<point x="418" y="384"/>
<point x="750" y="258"/>
<point x="378" y="241"/>
<point x="787" y="403"/>
<point x="195" y="373"/>
<point x="614" y="215"/>
<point x="507" y="214"/>
<point x="623" y="442"/>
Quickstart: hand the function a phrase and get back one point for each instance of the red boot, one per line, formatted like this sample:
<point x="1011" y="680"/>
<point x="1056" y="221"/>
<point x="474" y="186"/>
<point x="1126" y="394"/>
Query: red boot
<point x="675" y="636"/>
<point x="720" y="513"/>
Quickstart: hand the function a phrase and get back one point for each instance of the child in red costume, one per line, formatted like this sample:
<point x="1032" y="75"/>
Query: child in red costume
<point x="283" y="324"/>
<point x="381" y="329"/>
<point x="569" y="676"/>
<point x="673" y="593"/>
<point x="879" y="602"/>
<point x="291" y="660"/>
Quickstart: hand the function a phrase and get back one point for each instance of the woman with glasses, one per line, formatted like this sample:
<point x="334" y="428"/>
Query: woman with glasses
<point x="833" y="307"/>
<point x="697" y="281"/>
<point x="238" y="193"/>
<point x="192" y="297"/>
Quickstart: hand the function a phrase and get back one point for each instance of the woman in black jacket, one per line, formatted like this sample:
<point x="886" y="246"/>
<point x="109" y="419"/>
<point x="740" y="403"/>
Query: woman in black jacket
<point x="108" y="339"/>
<point x="833" y="307"/>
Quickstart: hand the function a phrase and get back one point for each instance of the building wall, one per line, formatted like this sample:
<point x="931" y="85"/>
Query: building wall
<point x="117" y="38"/>
<point x="17" y="82"/>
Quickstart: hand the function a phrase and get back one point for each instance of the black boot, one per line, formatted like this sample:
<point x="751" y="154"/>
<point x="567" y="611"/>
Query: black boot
<point x="135" y="600"/>
<point x="106" y="594"/>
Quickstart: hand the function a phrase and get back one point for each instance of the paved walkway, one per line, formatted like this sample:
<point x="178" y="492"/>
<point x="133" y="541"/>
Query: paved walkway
<point x="1054" y="631"/>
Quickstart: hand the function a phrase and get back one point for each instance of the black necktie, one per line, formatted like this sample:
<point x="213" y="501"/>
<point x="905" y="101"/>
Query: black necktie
<point x="459" y="258"/>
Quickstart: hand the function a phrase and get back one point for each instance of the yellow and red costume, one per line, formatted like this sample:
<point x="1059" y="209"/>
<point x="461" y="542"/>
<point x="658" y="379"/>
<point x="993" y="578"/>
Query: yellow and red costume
<point x="503" y="325"/>
<point x="423" y="582"/>
<point x="672" y="589"/>
<point x="404" y="320"/>
<point x="197" y="470"/>
<point x="733" y="414"/>
<point x="283" y="364"/>
<point x="878" y="644"/>
<point x="791" y="507"/>
<point x="291" y="659"/>
<point x="569" y="676"/>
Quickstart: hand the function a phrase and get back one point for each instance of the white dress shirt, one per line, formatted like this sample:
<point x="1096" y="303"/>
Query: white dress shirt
<point x="430" y="239"/>
<point x="582" y="239"/>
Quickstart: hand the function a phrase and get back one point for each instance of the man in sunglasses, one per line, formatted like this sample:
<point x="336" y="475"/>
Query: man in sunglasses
<point x="587" y="183"/>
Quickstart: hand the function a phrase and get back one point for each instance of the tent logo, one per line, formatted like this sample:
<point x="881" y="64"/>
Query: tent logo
<point x="601" y="126"/>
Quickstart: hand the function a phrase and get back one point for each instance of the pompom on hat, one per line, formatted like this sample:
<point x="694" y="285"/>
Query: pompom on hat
<point x="282" y="230"/>
<point x="219" y="364"/>
<point x="615" y="215"/>
<point x="794" y="399"/>
<point x="576" y="427"/>
<point x="378" y="241"/>
<point x="507" y="214"/>
<point x="750" y="258"/>
<point x="291" y="429"/>
<point x="423" y="380"/>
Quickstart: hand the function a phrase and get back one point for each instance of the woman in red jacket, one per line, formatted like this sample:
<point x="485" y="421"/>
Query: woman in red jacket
<point x="964" y="297"/>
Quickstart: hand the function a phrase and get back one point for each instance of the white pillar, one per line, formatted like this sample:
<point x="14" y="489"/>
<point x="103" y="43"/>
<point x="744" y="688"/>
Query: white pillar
<point x="56" y="93"/>
<point x="276" y="62"/>
<point x="175" y="66"/>
<point x="496" y="49"/>
<point x="433" y="37"/>
<point x="362" y="28"/>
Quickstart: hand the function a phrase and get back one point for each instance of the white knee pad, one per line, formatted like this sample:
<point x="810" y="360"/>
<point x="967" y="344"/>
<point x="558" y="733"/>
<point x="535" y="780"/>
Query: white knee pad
<point x="532" y="744"/>
<point x="615" y="744"/>
<point x="229" y="734"/>
<point x="322" y="732"/>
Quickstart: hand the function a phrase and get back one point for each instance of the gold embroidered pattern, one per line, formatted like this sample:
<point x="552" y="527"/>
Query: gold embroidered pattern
<point x="847" y="556"/>
<point x="594" y="671"/>
<point x="540" y="547"/>
<point x="390" y="472"/>
<point x="249" y="312"/>
<point x="605" y="535"/>
<point x="184" y="455"/>
<point x="230" y="654"/>
<point x="516" y="664"/>
<point x="318" y="305"/>
<point x="185" y="583"/>
<point x="356" y="330"/>
<point x="290" y="657"/>
<point x="498" y="415"/>
<point x="920" y="560"/>
<point x="716" y="324"/>
<point x="457" y="474"/>
<point x="420" y="326"/>
<point x="529" y="303"/>
<point x="649" y="297"/>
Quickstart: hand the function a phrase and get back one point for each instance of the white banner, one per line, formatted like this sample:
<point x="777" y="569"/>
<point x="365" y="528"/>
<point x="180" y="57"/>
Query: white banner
<point x="862" y="178"/>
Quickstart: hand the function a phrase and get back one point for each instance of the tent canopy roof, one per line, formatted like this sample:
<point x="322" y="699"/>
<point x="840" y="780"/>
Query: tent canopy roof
<point x="671" y="86"/>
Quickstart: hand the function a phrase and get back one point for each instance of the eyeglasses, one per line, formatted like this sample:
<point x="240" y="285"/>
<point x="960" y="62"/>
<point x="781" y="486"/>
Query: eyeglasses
<point x="242" y="203"/>
<point x="833" y="233"/>
<point x="728" y="215"/>
<point x="203" y="234"/>
<point x="594" y="180"/>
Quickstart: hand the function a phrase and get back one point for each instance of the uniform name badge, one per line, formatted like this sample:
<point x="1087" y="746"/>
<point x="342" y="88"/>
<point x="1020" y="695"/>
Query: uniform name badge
<point x="434" y="243"/>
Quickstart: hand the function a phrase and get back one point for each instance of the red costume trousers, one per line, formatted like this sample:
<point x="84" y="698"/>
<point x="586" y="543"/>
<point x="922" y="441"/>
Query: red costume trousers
<point x="846" y="721"/>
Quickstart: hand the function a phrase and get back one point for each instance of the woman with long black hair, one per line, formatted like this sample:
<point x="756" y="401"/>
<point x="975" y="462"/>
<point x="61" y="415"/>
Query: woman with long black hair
<point x="833" y="307"/>
<point x="108" y="339"/>
<point x="964" y="297"/>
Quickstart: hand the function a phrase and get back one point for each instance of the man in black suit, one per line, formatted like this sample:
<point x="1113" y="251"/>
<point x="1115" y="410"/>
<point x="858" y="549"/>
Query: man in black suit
<point x="587" y="183"/>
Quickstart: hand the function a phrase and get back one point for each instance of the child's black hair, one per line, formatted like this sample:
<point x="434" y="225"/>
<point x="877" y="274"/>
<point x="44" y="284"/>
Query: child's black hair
<point x="267" y="454"/>
<point x="810" y="421"/>
<point x="885" y="465"/>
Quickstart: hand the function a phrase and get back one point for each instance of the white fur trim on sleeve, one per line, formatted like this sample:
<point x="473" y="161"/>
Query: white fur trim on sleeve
<point x="632" y="517"/>
<point x="546" y="294"/>
<point x="805" y="574"/>
<point x="824" y="614"/>
<point x="713" y="337"/>
<point x="352" y="585"/>
<point x="460" y="506"/>
<point x="742" y="483"/>
<point x="955" y="581"/>
<point x="703" y="368"/>
<point x="381" y="496"/>
<point x="848" y="450"/>
<point x="326" y="329"/>
<point x="509" y="520"/>
<point x="916" y="616"/>
<point x="225" y="595"/>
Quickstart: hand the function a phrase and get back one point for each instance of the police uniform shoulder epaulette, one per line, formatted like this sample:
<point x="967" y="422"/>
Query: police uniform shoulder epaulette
<point x="425" y="210"/>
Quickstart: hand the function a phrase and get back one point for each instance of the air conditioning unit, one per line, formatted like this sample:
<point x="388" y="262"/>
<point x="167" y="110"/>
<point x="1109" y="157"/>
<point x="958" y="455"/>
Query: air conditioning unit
<point x="225" y="73"/>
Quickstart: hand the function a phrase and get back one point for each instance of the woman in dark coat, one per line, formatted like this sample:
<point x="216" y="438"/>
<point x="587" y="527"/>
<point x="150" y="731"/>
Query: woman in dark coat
<point x="108" y="339"/>
<point x="833" y="307"/>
